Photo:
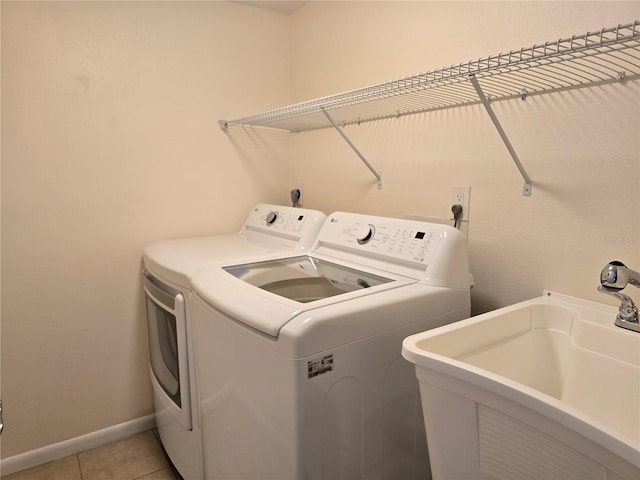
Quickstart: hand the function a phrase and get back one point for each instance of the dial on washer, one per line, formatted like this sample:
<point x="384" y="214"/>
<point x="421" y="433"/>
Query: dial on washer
<point x="271" y="218"/>
<point x="365" y="233"/>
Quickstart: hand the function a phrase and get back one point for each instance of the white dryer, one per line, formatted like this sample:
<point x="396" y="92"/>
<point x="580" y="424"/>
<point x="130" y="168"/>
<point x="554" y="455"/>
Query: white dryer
<point x="298" y="357"/>
<point x="168" y="268"/>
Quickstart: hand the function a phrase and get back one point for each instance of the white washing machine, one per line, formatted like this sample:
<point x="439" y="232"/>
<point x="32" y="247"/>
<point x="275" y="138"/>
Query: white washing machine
<point x="298" y="357"/>
<point x="168" y="267"/>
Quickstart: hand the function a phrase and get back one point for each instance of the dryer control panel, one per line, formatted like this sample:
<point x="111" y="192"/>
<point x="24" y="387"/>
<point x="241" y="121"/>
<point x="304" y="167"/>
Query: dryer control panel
<point x="404" y="246"/>
<point x="297" y="226"/>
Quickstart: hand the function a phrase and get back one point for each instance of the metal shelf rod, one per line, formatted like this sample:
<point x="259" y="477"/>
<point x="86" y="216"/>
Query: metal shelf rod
<point x="526" y="190"/>
<point x="353" y="147"/>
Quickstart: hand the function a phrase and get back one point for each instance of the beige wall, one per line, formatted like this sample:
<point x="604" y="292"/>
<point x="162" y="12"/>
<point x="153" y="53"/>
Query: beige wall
<point x="581" y="147"/>
<point x="110" y="141"/>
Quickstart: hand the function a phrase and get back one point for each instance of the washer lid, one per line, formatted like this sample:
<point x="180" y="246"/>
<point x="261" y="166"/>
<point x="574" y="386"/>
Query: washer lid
<point x="267" y="294"/>
<point x="305" y="279"/>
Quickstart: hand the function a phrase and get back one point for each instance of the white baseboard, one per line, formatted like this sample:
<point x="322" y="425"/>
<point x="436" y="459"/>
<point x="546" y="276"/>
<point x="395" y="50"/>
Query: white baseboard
<point x="72" y="446"/>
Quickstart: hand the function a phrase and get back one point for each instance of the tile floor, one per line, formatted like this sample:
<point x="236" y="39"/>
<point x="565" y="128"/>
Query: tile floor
<point x="139" y="457"/>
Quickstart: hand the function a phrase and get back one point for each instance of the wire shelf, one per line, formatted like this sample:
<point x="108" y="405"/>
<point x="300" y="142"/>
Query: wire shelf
<point x="608" y="55"/>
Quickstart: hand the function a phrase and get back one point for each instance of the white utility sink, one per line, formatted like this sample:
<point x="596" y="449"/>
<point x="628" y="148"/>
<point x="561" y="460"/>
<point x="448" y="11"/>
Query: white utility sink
<point x="548" y="388"/>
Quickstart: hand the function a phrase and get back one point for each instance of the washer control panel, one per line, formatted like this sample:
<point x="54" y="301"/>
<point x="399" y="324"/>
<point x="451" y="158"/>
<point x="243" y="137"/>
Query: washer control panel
<point x="432" y="253"/>
<point x="395" y="239"/>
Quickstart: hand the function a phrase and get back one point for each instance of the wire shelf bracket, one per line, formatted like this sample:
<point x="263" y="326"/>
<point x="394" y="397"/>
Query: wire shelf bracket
<point x="353" y="147"/>
<point x="526" y="189"/>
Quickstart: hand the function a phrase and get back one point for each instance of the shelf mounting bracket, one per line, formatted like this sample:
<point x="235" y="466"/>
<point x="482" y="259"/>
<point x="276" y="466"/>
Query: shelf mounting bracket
<point x="353" y="147"/>
<point x="526" y="189"/>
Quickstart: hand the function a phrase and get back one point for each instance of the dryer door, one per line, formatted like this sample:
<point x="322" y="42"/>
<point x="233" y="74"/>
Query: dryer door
<point x="167" y="334"/>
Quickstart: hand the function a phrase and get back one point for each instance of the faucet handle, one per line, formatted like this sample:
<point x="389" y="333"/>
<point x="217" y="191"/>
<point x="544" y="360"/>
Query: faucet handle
<point x="610" y="291"/>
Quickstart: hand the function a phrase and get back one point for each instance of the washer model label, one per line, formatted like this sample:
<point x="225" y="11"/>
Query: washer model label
<point x="320" y="365"/>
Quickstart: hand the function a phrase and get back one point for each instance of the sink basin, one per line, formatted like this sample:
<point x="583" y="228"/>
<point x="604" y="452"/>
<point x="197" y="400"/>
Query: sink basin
<point x="545" y="388"/>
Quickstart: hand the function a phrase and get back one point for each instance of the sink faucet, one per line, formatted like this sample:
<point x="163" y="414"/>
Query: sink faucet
<point x="613" y="278"/>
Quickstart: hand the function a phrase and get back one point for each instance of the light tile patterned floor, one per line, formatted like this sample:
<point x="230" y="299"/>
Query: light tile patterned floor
<point x="139" y="457"/>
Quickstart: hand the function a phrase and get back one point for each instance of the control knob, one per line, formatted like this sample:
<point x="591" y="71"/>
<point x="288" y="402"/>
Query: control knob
<point x="271" y="217"/>
<point x="365" y="233"/>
